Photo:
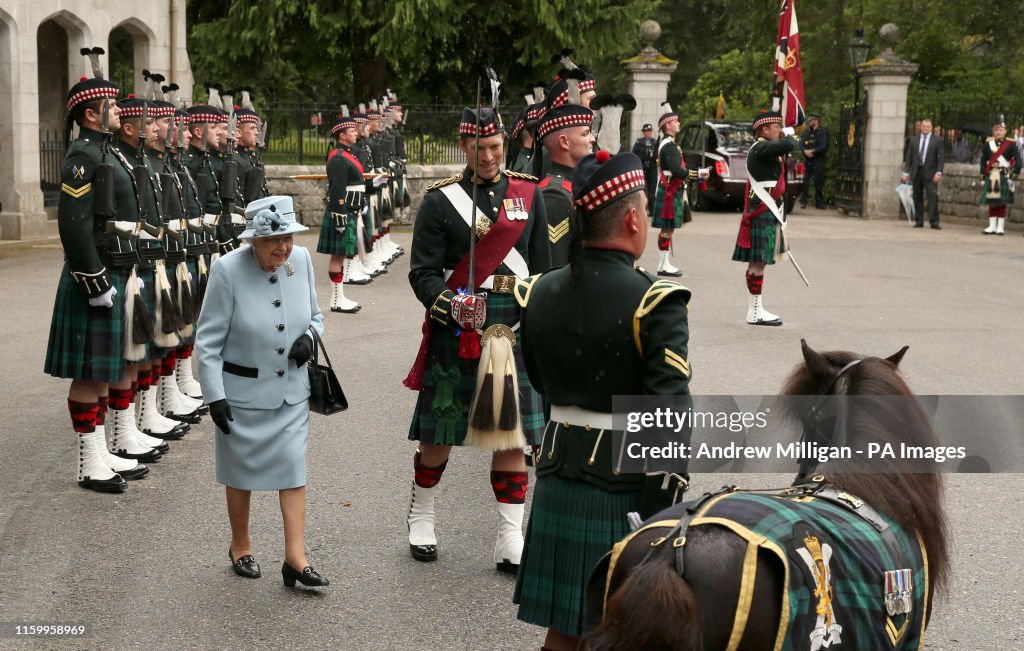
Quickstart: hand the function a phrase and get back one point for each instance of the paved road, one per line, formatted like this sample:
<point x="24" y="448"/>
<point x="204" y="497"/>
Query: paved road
<point x="148" y="568"/>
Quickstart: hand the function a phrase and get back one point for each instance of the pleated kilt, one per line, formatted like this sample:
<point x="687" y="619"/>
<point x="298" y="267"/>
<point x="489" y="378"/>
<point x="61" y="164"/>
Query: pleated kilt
<point x="762" y="241"/>
<point x="444" y="367"/>
<point x="332" y="242"/>
<point x="572" y="525"/>
<point x="86" y="342"/>
<point x="266" y="449"/>
<point x="659" y="203"/>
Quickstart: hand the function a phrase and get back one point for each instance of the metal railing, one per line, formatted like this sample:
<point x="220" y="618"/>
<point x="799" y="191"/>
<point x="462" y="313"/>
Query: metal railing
<point x="51" y="158"/>
<point x="300" y="134"/>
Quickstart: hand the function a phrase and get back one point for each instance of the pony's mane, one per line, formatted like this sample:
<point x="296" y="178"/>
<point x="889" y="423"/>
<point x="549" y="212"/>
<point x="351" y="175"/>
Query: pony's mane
<point x="912" y="499"/>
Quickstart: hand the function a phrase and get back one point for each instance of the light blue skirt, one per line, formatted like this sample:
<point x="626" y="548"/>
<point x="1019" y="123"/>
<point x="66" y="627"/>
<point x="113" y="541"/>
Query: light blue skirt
<point x="266" y="449"/>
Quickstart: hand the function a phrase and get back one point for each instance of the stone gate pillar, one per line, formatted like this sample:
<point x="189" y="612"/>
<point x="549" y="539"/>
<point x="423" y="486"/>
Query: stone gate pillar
<point x="648" y="73"/>
<point x="886" y="79"/>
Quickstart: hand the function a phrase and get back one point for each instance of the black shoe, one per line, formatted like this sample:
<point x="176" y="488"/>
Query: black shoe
<point x="918" y="225"/>
<point x="138" y="472"/>
<point x="936" y="227"/>
<point x="152" y="456"/>
<point x="672" y="274"/>
<point x="352" y="311"/>
<point x="307" y="577"/>
<point x="245" y="566"/>
<point x="424" y="553"/>
<point x="115" y="484"/>
<point x="192" y="418"/>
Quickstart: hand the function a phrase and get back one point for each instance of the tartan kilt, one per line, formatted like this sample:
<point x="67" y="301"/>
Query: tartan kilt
<point x="86" y="342"/>
<point x="572" y="525"/>
<point x="762" y="241"/>
<point x="659" y="203"/>
<point x="332" y="242"/>
<point x="443" y="355"/>
<point x="1005" y="196"/>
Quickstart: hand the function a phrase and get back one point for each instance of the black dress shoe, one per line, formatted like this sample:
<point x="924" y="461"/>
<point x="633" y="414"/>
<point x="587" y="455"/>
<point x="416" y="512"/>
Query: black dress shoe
<point x="424" y="553"/>
<point x="918" y="225"/>
<point x="936" y="227"/>
<point x="245" y="566"/>
<point x="191" y="418"/>
<point x="138" y="472"/>
<point x="307" y="577"/>
<point x="115" y="484"/>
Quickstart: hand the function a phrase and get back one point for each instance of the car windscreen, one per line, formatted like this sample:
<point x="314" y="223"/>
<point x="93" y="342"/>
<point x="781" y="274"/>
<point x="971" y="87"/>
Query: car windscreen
<point x="734" y="137"/>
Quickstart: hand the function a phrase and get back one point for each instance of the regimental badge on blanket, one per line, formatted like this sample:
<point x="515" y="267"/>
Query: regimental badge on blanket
<point x="816" y="554"/>
<point x="515" y="209"/>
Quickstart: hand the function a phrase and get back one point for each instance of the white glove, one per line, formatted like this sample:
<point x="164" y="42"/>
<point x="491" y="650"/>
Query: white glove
<point x="139" y="282"/>
<point x="366" y="210"/>
<point x="378" y="181"/>
<point x="703" y="172"/>
<point x="106" y="299"/>
<point x="788" y="131"/>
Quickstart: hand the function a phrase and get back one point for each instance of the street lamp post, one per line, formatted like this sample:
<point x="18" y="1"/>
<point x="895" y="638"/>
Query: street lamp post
<point x="858" y="55"/>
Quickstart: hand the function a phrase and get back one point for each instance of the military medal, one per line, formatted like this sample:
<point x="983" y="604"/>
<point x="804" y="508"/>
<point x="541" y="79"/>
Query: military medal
<point x="899" y="592"/>
<point x="515" y="209"/>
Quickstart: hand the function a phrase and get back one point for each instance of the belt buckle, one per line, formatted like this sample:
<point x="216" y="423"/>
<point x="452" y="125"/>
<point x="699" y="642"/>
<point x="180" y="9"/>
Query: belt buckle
<point x="503" y="284"/>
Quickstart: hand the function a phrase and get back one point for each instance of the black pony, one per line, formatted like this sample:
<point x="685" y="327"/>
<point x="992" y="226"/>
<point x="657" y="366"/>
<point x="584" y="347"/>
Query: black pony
<point x="691" y="581"/>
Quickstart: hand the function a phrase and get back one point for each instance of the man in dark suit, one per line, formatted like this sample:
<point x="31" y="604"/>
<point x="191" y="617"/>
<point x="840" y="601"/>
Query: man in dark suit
<point x="922" y="166"/>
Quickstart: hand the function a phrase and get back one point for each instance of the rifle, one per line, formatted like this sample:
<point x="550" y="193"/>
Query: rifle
<point x="229" y="182"/>
<point x="103" y="181"/>
<point x="256" y="179"/>
<point x="203" y="180"/>
<point x="141" y="172"/>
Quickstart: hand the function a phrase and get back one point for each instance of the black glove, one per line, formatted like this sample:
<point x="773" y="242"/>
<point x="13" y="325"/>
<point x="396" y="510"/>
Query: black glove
<point x="302" y="350"/>
<point x="220" y="412"/>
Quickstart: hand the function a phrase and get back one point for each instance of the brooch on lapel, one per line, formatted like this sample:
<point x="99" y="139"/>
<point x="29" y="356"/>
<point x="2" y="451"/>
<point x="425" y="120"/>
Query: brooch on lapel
<point x="289" y="268"/>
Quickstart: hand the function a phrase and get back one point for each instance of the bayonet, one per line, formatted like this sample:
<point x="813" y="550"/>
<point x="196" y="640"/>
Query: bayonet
<point x="261" y="138"/>
<point x="142" y="129"/>
<point x="202" y="140"/>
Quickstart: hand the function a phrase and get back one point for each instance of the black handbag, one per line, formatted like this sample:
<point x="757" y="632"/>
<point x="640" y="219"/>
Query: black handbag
<point x="325" y="394"/>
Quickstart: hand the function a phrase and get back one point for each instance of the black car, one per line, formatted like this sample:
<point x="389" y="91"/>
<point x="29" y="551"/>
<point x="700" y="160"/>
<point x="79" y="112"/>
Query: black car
<point x="723" y="147"/>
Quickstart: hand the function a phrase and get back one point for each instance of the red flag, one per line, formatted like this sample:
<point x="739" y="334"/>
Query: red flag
<point x="788" y="90"/>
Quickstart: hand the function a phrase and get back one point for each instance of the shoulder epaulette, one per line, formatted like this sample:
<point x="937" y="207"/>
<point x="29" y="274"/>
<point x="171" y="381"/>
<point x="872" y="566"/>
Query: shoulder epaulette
<point x="521" y="175"/>
<point x="523" y="289"/>
<point x="444" y="182"/>
<point x="655" y="294"/>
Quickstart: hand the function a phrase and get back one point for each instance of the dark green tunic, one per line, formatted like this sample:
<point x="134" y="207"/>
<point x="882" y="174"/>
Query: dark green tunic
<point x="440" y="240"/>
<point x="764" y="163"/>
<point x="340" y="211"/>
<point x="558" y="205"/>
<point x="635" y="342"/>
<point x="85" y="342"/>
<point x="670" y="159"/>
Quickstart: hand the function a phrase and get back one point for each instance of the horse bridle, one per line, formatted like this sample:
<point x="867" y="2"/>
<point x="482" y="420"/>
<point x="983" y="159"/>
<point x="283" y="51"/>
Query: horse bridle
<point x="815" y="415"/>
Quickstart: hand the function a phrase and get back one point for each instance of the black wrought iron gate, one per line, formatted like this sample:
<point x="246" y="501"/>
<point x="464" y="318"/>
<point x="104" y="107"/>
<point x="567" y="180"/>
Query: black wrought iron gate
<point x="849" y="193"/>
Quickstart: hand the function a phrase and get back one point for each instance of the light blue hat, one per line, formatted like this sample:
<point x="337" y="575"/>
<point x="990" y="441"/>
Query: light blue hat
<point x="270" y="217"/>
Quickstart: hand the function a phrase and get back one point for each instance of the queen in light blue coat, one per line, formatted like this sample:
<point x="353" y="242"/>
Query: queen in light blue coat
<point x="252" y="344"/>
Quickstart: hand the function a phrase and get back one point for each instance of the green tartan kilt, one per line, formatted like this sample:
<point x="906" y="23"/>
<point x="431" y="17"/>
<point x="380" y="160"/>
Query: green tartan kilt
<point x="332" y="242"/>
<point x="86" y="342"/>
<point x="1005" y="196"/>
<point x="762" y="241"/>
<point x="443" y="356"/>
<point x="677" y="209"/>
<point x="572" y="525"/>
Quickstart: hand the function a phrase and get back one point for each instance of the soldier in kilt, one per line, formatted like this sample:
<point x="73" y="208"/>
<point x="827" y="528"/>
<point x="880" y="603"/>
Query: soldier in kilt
<point x="339" y="229"/>
<point x="87" y="330"/>
<point x="512" y="243"/>
<point x="756" y="242"/>
<point x="634" y="341"/>
<point x="137" y="409"/>
<point x="251" y="175"/>
<point x="205" y="162"/>
<point x="671" y="209"/>
<point x="1000" y="163"/>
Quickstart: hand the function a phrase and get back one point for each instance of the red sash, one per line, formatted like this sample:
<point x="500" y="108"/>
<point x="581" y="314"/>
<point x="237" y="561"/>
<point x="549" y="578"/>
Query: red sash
<point x="994" y="159"/>
<point x="491" y="250"/>
<point x="743" y="241"/>
<point x="668" y="210"/>
<point x="351" y="157"/>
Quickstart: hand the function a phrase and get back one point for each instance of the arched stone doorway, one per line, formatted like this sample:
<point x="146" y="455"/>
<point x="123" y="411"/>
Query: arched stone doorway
<point x="129" y="54"/>
<point x="52" y="54"/>
<point x="8" y="198"/>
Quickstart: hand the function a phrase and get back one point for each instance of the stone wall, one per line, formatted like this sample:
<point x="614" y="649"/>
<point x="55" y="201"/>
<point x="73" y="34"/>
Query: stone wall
<point x="309" y="195"/>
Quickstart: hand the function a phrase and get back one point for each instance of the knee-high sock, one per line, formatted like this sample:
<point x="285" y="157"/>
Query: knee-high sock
<point x="84" y="416"/>
<point x="427" y="476"/>
<point x="754" y="283"/>
<point x="509" y="486"/>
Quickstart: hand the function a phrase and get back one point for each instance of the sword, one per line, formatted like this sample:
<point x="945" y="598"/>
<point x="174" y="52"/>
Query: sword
<point x="471" y="288"/>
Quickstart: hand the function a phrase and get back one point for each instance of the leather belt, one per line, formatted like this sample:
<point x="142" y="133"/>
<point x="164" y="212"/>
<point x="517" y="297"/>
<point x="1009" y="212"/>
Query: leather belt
<point x="241" y="371"/>
<point x="128" y="230"/>
<point x="573" y="415"/>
